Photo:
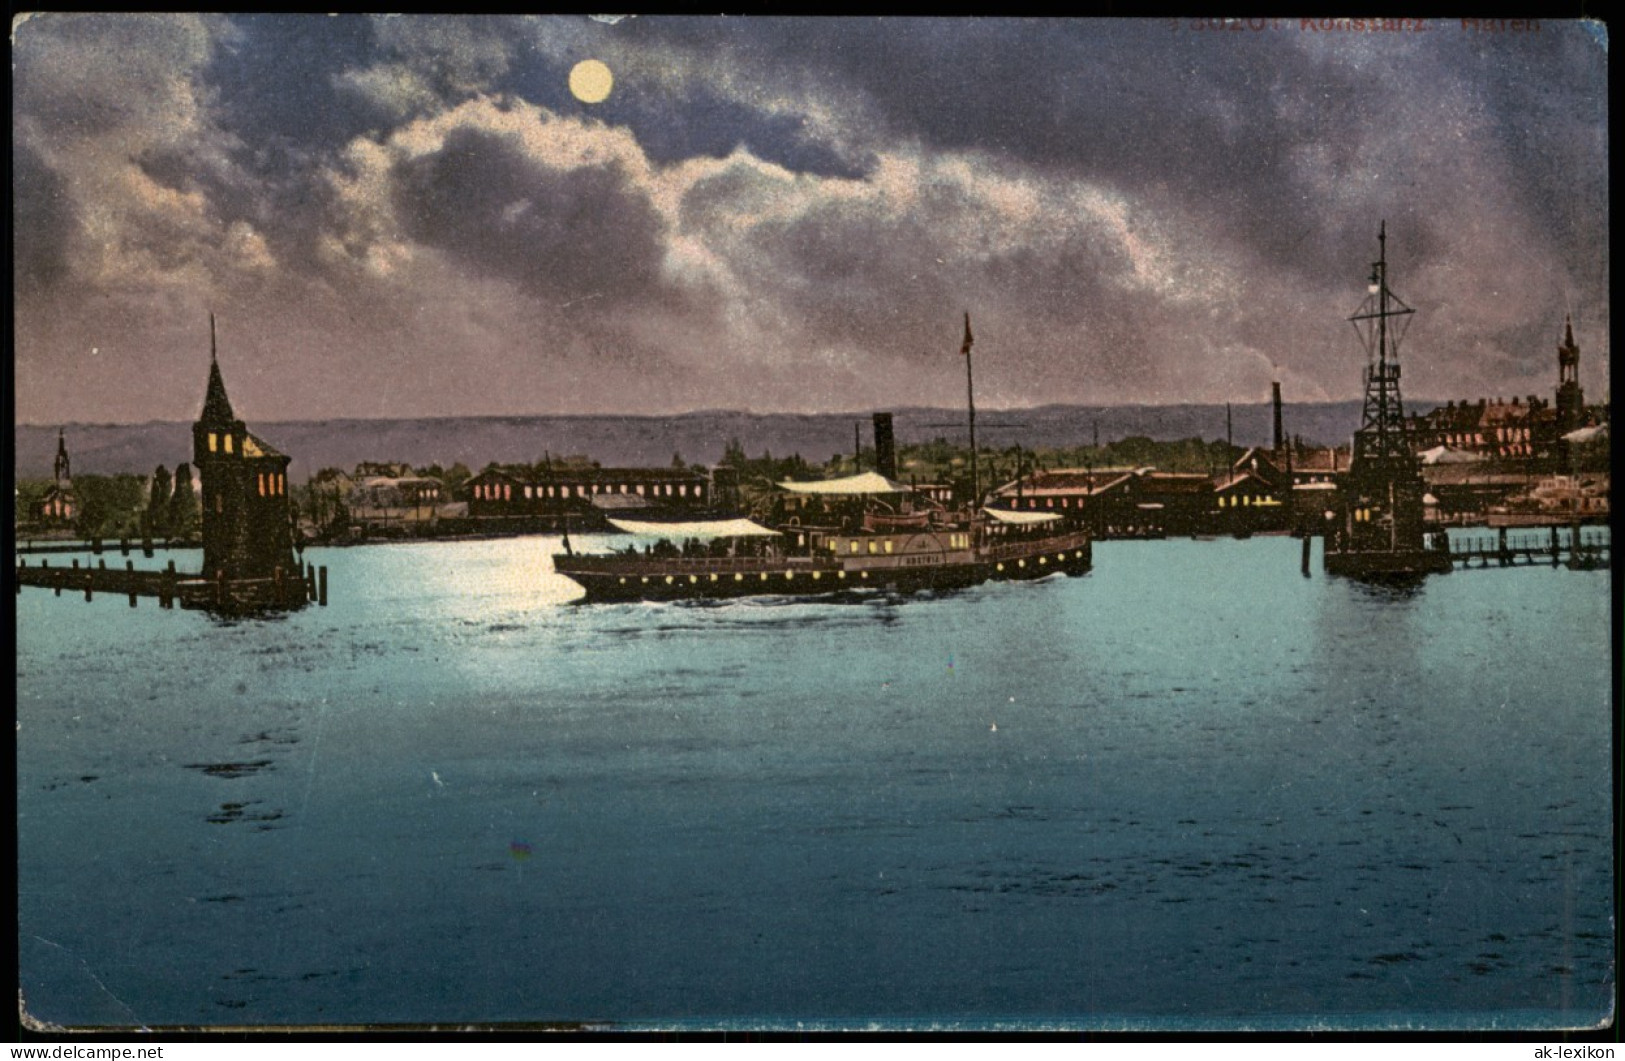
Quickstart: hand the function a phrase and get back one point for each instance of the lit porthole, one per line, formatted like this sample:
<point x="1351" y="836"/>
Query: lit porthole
<point x="1043" y="559"/>
<point x="1021" y="563"/>
<point x="645" y="578"/>
<point x="713" y="578"/>
<point x="764" y="576"/>
<point x="840" y="574"/>
<point x="1060" y="556"/>
<point x="739" y="578"/>
<point x="623" y="580"/>
<point x="692" y="579"/>
<point x="863" y="574"/>
<point x="668" y="580"/>
<point x="788" y="575"/>
<point x="815" y="576"/>
<point x="1001" y="567"/>
<point x="1078" y="554"/>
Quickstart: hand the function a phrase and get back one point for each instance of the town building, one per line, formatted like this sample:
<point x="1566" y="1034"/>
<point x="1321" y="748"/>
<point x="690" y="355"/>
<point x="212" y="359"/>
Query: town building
<point x="59" y="506"/>
<point x="1571" y="400"/>
<point x="381" y="501"/>
<point x="1515" y="430"/>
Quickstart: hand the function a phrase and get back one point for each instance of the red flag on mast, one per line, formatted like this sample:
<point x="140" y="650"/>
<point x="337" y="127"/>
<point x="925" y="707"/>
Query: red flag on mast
<point x="965" y="349"/>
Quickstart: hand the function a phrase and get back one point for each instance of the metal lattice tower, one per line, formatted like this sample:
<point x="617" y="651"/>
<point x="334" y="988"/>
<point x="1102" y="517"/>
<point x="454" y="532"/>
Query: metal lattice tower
<point x="1382" y="527"/>
<point x="1381" y="322"/>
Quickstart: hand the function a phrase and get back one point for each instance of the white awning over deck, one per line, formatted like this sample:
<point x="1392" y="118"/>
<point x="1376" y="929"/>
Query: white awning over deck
<point x="709" y="528"/>
<point x="848" y="486"/>
<point x="1021" y="519"/>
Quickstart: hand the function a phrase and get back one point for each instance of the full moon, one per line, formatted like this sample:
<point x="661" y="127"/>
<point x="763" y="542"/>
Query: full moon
<point x="590" y="81"/>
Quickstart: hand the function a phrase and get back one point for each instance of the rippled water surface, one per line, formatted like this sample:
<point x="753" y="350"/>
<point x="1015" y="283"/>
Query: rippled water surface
<point x="1192" y="787"/>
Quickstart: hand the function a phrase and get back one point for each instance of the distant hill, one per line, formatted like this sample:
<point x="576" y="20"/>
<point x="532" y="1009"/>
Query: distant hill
<point x="652" y="440"/>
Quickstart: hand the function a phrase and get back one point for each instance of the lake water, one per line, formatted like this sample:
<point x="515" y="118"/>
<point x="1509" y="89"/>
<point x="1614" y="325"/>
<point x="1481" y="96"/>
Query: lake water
<point x="1192" y="789"/>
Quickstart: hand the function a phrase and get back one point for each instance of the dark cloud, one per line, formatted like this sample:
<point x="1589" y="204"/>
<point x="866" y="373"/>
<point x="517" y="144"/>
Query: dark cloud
<point x="1209" y="123"/>
<point x="43" y="215"/>
<point x="561" y="234"/>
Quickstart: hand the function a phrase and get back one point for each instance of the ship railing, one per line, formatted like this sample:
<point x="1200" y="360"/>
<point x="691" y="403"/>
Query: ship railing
<point x="694" y="565"/>
<point x="1035" y="547"/>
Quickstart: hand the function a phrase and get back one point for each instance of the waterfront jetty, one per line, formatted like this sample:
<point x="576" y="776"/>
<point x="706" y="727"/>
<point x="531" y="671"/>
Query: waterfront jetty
<point x="1582" y="548"/>
<point x="282" y="591"/>
<point x="249" y="563"/>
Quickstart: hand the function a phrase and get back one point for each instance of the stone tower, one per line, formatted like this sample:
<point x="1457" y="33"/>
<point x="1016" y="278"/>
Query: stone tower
<point x="247" y="532"/>
<point x="1571" y="400"/>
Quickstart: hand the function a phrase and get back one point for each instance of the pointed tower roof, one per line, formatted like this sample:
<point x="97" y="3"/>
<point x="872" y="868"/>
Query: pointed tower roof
<point x="216" y="406"/>
<point x="1568" y="330"/>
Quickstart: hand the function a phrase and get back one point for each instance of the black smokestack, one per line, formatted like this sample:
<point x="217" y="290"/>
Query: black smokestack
<point x="1275" y="399"/>
<point x="885" y="447"/>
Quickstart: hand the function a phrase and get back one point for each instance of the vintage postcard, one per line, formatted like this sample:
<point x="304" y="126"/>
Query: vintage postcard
<point x="788" y="524"/>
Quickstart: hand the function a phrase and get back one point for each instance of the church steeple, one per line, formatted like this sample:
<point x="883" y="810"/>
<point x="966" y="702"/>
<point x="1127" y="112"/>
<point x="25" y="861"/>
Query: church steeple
<point x="216" y="406"/>
<point x="60" y="469"/>
<point x="1570" y="398"/>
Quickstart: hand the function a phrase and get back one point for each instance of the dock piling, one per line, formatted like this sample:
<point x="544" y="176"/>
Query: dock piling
<point x="129" y="568"/>
<point x="1308" y="544"/>
<point x="321" y="592"/>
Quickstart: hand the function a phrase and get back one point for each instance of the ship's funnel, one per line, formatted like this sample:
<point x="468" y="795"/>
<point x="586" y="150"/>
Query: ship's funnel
<point x="885" y="446"/>
<point x="1275" y="400"/>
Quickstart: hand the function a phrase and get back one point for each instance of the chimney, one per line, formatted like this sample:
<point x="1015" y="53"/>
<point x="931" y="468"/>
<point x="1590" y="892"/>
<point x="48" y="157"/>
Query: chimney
<point x="1275" y="400"/>
<point x="885" y="446"/>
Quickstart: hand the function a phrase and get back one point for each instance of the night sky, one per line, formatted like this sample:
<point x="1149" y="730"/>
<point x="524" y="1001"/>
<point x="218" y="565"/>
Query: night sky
<point x="412" y="216"/>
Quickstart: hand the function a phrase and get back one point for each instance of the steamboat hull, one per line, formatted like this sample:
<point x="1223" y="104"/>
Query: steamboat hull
<point x="610" y="578"/>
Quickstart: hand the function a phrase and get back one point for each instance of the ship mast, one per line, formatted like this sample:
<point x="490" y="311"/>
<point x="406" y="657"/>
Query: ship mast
<point x="970" y="401"/>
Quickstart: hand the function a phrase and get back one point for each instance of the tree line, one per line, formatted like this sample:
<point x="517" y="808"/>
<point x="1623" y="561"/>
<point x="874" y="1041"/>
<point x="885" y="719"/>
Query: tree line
<point x="164" y="505"/>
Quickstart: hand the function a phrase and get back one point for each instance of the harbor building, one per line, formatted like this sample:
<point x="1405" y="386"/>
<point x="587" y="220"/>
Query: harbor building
<point x="247" y="529"/>
<point x="506" y="492"/>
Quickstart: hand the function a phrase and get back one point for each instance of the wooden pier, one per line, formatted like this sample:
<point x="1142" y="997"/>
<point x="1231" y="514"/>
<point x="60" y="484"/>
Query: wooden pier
<point x="1575" y="547"/>
<point x="281" y="592"/>
<point x="97" y="546"/>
